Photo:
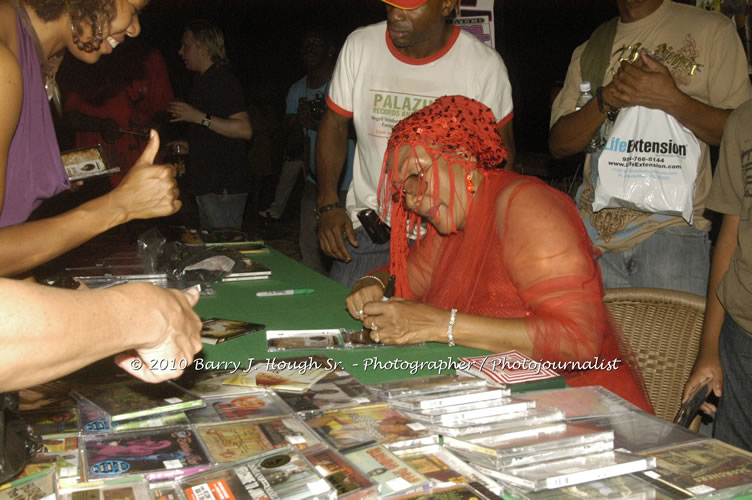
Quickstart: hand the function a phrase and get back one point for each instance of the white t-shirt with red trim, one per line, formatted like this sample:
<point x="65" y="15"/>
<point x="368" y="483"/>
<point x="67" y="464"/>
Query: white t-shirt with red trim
<point x="377" y="86"/>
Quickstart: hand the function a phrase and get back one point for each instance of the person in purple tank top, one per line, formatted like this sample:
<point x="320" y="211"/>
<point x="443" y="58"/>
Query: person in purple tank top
<point x="34" y="34"/>
<point x="47" y="332"/>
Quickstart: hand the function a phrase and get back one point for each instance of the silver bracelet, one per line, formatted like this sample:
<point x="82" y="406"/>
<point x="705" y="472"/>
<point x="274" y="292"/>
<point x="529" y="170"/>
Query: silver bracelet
<point x="383" y="287"/>
<point x="450" y="329"/>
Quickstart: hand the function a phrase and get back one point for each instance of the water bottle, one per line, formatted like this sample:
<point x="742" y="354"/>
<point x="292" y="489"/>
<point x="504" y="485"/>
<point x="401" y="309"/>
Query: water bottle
<point x="585" y="96"/>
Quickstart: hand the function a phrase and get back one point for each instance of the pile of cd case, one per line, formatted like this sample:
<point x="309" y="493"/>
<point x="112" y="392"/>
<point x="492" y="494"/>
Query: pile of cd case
<point x="529" y="445"/>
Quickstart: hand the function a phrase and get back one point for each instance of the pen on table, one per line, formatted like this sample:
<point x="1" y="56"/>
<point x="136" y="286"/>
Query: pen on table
<point x="292" y="291"/>
<point x="389" y="290"/>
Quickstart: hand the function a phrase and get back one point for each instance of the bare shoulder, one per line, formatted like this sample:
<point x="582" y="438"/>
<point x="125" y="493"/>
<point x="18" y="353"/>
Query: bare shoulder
<point x="7" y="24"/>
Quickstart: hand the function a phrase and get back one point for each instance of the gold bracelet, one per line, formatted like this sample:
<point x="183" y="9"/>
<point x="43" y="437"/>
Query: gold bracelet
<point x="383" y="287"/>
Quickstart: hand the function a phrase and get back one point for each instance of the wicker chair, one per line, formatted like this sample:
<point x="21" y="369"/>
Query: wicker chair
<point x="663" y="329"/>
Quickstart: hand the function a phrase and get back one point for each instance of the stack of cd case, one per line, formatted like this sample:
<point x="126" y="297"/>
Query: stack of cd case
<point x="426" y="385"/>
<point x="529" y="445"/>
<point x="569" y="471"/>
<point x="477" y="408"/>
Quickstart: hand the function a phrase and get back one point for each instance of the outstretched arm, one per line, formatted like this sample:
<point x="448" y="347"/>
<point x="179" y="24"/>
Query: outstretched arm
<point x="147" y="191"/>
<point x="49" y="332"/>
<point x="236" y="126"/>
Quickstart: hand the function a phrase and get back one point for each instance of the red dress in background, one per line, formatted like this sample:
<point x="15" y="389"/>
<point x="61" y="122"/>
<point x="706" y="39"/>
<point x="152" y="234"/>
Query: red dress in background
<point x="524" y="253"/>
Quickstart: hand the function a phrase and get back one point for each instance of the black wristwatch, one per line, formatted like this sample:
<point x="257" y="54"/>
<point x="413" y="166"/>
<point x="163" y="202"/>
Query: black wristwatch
<point x="320" y="210"/>
<point x="206" y="120"/>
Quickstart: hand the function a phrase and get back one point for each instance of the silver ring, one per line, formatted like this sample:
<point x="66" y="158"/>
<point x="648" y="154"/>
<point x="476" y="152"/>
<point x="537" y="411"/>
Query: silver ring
<point x="377" y="339"/>
<point x="373" y="326"/>
<point x="360" y="313"/>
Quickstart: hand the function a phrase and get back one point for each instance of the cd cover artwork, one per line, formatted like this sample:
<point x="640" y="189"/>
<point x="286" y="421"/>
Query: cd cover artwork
<point x="701" y="467"/>
<point x="244" y="438"/>
<point x="169" y="448"/>
<point x="344" y="477"/>
<point x="284" y="374"/>
<point x="385" y="468"/>
<point x="217" y="330"/>
<point x="331" y="392"/>
<point x="259" y="404"/>
<point x="33" y="487"/>
<point x="351" y="427"/>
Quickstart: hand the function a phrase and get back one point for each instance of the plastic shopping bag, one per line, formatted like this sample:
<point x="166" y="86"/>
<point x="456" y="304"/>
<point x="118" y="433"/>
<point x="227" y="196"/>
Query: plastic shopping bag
<point x="649" y="163"/>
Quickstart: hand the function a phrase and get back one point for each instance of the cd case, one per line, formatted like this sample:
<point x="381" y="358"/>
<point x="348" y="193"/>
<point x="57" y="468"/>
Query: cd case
<point x="341" y="474"/>
<point x="504" y="423"/>
<point x="283" y="473"/>
<point x="131" y="488"/>
<point x="259" y="404"/>
<point x="218" y="330"/>
<point x="569" y="471"/>
<point x="352" y="427"/>
<point x="289" y="340"/>
<point x="240" y="439"/>
<point x="85" y="163"/>
<point x="167" y="450"/>
<point x="528" y="445"/>
<point x="93" y="420"/>
<point x="493" y="412"/>
<point x="447" y="399"/>
<point x="427" y="385"/>
<point x="127" y="398"/>
<point x="332" y="392"/>
<point x="389" y="471"/>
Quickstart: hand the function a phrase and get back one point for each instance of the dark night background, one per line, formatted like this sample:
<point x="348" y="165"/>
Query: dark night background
<point x="535" y="38"/>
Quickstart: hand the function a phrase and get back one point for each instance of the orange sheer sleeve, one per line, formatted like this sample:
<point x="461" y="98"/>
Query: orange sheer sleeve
<point x="550" y="260"/>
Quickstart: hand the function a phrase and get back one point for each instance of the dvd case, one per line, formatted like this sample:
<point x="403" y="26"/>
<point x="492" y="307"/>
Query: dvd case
<point x="283" y="473"/>
<point x="531" y="445"/>
<point x="352" y="427"/>
<point x="290" y="340"/>
<point x="446" y="399"/>
<point x="392" y="474"/>
<point x="570" y="471"/>
<point x="443" y="468"/>
<point x="701" y="467"/>
<point x="345" y="478"/>
<point x="421" y="386"/>
<point x="503" y="422"/>
<point x="167" y="449"/>
<point x="240" y="439"/>
<point x="128" y="398"/>
<point x="259" y="404"/>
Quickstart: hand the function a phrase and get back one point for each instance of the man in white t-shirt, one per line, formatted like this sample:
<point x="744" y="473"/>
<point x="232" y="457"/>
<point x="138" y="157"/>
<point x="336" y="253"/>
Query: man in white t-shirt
<point x="384" y="73"/>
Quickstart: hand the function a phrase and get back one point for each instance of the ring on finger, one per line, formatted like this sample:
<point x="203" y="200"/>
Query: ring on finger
<point x="360" y="313"/>
<point x="373" y="326"/>
<point x="377" y="339"/>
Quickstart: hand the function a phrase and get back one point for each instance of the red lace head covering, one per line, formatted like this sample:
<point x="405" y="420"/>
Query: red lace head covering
<point x="458" y="129"/>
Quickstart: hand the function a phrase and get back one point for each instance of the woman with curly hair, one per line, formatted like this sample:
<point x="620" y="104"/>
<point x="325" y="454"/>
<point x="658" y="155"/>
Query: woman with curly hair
<point x="34" y="35"/>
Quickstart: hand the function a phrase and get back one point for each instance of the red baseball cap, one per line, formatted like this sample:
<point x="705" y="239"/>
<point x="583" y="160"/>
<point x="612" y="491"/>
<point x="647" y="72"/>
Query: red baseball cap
<point x="405" y="4"/>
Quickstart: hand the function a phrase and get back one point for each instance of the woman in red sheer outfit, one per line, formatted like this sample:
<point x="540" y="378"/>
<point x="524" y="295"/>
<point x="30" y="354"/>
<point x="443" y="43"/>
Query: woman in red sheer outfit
<point x="504" y="258"/>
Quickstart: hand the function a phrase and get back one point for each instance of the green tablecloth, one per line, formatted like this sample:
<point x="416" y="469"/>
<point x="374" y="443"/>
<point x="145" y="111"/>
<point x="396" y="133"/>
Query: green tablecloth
<point x="324" y="309"/>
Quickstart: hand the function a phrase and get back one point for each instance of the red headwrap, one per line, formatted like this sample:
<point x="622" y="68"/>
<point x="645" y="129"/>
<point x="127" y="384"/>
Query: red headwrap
<point x="460" y="130"/>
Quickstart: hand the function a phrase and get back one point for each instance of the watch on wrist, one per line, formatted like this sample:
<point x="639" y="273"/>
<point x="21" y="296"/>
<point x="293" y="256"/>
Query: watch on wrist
<point x="206" y="120"/>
